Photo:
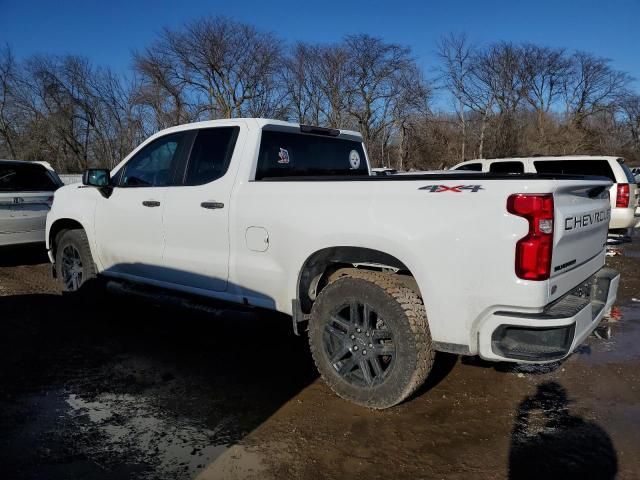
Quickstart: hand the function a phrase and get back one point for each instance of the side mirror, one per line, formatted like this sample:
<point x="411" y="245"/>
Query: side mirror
<point x="96" y="177"/>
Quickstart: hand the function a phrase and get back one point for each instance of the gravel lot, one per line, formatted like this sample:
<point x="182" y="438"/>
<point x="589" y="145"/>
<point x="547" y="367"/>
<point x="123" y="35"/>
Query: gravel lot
<point x="125" y="388"/>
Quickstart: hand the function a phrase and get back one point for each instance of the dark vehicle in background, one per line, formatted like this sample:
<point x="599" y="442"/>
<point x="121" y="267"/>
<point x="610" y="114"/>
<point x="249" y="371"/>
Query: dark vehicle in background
<point x="26" y="195"/>
<point x="383" y="171"/>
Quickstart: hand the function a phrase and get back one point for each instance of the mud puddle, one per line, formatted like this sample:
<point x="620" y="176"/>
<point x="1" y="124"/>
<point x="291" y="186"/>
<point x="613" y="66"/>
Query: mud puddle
<point x="134" y="429"/>
<point x="632" y="253"/>
<point x="132" y="390"/>
<point x="623" y="346"/>
<point x="174" y="446"/>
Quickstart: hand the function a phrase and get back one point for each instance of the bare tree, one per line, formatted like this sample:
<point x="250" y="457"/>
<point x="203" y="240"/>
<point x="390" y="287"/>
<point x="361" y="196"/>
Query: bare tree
<point x="456" y="69"/>
<point x="507" y="98"/>
<point x="375" y="69"/>
<point x="70" y="113"/>
<point x="120" y="122"/>
<point x="228" y="67"/>
<point x="592" y="86"/>
<point x="544" y="71"/>
<point x="162" y="88"/>
<point x="630" y="107"/>
<point x="468" y="74"/>
<point x="300" y="77"/>
<point x="498" y="69"/>
<point x="8" y="118"/>
<point x="411" y="106"/>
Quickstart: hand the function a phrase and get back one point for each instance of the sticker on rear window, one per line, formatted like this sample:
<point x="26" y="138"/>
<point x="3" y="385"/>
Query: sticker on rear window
<point x="283" y="156"/>
<point x="354" y="159"/>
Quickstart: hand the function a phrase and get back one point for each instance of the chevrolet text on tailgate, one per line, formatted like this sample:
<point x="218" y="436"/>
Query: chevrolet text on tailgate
<point x="287" y="217"/>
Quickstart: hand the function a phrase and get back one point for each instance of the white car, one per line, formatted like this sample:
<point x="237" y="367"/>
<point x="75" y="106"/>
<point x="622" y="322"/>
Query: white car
<point x="26" y="194"/>
<point x="624" y="192"/>
<point x="384" y="270"/>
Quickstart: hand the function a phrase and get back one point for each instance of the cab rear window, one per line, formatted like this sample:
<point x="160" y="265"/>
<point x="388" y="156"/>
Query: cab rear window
<point x="26" y="178"/>
<point x="507" y="167"/>
<point x="474" y="167"/>
<point x="598" y="168"/>
<point x="288" y="154"/>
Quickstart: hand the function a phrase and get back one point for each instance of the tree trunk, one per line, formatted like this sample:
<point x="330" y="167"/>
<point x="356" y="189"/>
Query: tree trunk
<point x="483" y="127"/>
<point x="463" y="126"/>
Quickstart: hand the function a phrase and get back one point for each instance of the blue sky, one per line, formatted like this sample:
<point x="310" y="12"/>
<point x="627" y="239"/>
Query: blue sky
<point x="108" y="31"/>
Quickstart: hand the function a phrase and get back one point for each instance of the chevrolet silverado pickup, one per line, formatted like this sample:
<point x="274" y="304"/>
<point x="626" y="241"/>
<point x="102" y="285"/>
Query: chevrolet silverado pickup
<point x="383" y="270"/>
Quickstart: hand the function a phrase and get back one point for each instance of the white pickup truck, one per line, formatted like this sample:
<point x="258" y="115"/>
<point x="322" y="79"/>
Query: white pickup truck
<point x="386" y="270"/>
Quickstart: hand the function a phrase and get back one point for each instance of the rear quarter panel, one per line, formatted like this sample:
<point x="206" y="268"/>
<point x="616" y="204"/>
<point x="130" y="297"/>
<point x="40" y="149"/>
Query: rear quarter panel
<point x="459" y="246"/>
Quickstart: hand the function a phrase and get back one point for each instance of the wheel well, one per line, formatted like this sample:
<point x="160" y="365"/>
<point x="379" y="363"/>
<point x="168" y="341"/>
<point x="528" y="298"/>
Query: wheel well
<point x="60" y="226"/>
<point x="320" y="266"/>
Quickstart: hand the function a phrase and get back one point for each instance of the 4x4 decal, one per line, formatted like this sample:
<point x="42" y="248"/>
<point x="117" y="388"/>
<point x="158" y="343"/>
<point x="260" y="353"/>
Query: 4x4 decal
<point x="456" y="189"/>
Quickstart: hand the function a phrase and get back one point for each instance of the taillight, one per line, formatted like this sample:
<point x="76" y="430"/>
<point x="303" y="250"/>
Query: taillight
<point x="533" y="252"/>
<point x="622" y="198"/>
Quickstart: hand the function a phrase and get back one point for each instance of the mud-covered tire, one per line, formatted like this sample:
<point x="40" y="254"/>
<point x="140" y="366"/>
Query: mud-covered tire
<point x="73" y="253"/>
<point x="397" y="309"/>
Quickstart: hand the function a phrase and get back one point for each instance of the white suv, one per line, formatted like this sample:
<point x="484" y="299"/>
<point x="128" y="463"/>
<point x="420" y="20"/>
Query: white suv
<point x="624" y="192"/>
<point x="26" y="195"/>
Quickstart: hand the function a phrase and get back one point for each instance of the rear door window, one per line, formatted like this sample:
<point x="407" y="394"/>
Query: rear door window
<point x="289" y="154"/>
<point x="507" y="167"/>
<point x="474" y="167"/>
<point x="210" y="154"/>
<point x="598" y="168"/>
<point x="26" y="178"/>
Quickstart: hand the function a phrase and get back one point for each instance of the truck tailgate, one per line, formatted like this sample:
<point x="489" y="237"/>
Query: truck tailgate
<point x="582" y="213"/>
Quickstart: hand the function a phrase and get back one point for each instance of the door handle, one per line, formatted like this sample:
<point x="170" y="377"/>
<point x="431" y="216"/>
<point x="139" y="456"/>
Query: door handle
<point x="212" y="205"/>
<point x="151" y="203"/>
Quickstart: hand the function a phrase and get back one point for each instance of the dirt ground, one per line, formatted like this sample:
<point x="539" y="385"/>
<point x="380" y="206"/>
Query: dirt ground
<point x="124" y="389"/>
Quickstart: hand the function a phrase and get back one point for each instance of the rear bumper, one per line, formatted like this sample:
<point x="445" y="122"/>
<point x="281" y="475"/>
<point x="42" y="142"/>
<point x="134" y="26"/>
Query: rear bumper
<point x="553" y="333"/>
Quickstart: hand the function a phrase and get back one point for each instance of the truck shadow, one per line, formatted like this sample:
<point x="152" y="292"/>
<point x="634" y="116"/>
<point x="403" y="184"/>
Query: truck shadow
<point x="31" y="254"/>
<point x="443" y="364"/>
<point x="119" y="387"/>
<point x="549" y="442"/>
<point x="508" y="367"/>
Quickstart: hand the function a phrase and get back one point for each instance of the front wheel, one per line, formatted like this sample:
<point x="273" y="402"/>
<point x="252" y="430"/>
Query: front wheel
<point x="370" y="340"/>
<point x="74" y="263"/>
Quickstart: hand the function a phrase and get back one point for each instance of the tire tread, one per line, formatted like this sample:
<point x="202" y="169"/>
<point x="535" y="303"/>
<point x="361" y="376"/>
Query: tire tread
<point x="79" y="237"/>
<point x="415" y="313"/>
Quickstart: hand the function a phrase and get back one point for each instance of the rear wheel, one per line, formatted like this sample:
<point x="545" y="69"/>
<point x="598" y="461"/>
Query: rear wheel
<point x="370" y="340"/>
<point x="74" y="263"/>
